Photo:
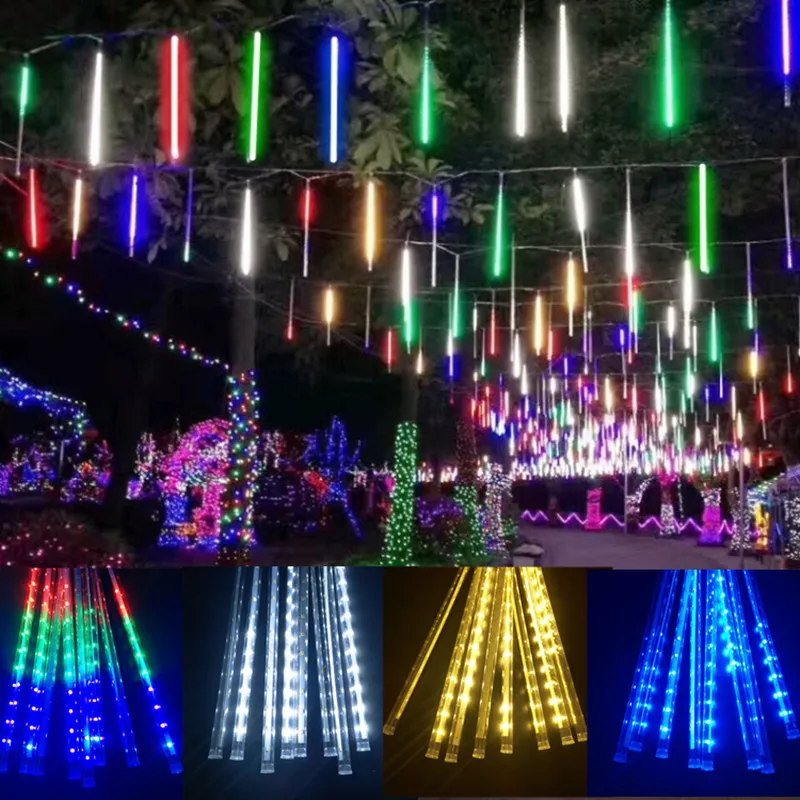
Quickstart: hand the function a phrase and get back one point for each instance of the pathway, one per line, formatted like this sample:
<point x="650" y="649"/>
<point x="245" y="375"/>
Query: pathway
<point x="567" y="547"/>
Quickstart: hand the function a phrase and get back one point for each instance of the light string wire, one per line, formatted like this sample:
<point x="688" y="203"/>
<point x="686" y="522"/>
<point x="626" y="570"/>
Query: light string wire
<point x="222" y="711"/>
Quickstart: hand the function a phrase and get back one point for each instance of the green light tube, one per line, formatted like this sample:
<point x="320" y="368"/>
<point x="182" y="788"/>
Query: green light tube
<point x="98" y="736"/>
<point x="499" y="251"/>
<point x="73" y="733"/>
<point x="87" y="764"/>
<point x="713" y="344"/>
<point x="425" y="133"/>
<point x="670" y="108"/>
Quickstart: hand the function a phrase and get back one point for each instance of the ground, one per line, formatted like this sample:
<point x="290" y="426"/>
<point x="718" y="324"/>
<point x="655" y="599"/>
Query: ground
<point x="566" y="547"/>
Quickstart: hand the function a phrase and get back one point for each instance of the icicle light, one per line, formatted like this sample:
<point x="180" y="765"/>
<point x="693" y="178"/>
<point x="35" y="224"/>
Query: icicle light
<point x="564" y="77"/>
<point x="96" y="113"/>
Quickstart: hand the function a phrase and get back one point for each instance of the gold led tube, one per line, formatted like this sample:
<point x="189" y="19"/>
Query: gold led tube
<point x="489" y="666"/>
<point x="453" y="672"/>
<point x="529" y="670"/>
<point x="548" y="668"/>
<point x="507" y="667"/>
<point x="424" y="654"/>
<point x="573" y="704"/>
<point x="474" y="652"/>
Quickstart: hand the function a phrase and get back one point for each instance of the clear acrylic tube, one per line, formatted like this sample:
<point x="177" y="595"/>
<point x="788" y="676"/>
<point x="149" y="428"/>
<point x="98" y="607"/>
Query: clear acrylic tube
<point x="242" y="713"/>
<point x="301" y="748"/>
<point x="709" y="673"/>
<point x="489" y="667"/>
<point x="323" y="666"/>
<point x="73" y="730"/>
<point x="452" y="676"/>
<point x="269" y="730"/>
<point x="98" y="741"/>
<point x="351" y="661"/>
<point x="424" y="654"/>
<point x="506" y="653"/>
<point x="291" y="678"/>
<point x="222" y="712"/>
<point x="335" y="657"/>
<point x="87" y="764"/>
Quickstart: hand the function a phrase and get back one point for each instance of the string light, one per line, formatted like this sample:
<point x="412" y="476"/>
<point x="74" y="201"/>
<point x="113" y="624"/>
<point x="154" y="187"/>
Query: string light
<point x="538" y="324"/>
<point x="256" y="121"/>
<point x="175" y="94"/>
<point x="786" y="51"/>
<point x="751" y="317"/>
<point x="703" y="218"/>
<point x="96" y="117"/>
<point x="630" y="256"/>
<point x="426" y="90"/>
<point x="521" y="86"/>
<point x="564" y="78"/>
<point x="246" y="253"/>
<point x="398" y="541"/>
<point x="333" y="100"/>
<point x="434" y="235"/>
<point x="713" y="347"/>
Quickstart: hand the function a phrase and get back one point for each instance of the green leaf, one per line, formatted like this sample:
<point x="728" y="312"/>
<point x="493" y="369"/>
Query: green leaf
<point x="218" y="87"/>
<point x="282" y="249"/>
<point x="384" y="153"/>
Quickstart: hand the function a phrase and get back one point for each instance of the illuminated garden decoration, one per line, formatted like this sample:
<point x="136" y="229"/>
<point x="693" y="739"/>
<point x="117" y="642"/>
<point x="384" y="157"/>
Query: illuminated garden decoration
<point x="315" y="596"/>
<point x="504" y="606"/>
<point x="196" y="466"/>
<point x="74" y="641"/>
<point x="704" y="612"/>
<point x="497" y="488"/>
<point x="400" y="527"/>
<point x="335" y="466"/>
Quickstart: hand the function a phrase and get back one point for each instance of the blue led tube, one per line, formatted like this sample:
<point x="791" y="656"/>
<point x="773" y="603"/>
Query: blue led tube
<point x="222" y="713"/>
<point x="709" y="674"/>
<point x="21" y="654"/>
<point x="117" y="684"/>
<point x="734" y="669"/>
<point x="642" y="713"/>
<point x="621" y="755"/>
<point x="695" y="672"/>
<point x="777" y="681"/>
<point x="751" y="683"/>
<point x="673" y="676"/>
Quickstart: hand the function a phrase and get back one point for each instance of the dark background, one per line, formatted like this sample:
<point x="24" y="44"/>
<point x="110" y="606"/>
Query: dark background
<point x="154" y="601"/>
<point x="207" y="599"/>
<point x="411" y="600"/>
<point x="619" y="603"/>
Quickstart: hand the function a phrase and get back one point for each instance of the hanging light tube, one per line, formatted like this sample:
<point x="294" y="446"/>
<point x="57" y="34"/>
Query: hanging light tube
<point x="187" y="237"/>
<point x="370" y="229"/>
<point x="96" y="113"/>
<point x="24" y="100"/>
<point x="246" y="671"/>
<point x="246" y="253"/>
<point x="521" y="84"/>
<point x="579" y="202"/>
<point x="333" y="88"/>
<point x="269" y="727"/>
<point x="564" y="78"/>
<point x="329" y="313"/>
<point x="133" y="214"/>
<point x="77" y="207"/>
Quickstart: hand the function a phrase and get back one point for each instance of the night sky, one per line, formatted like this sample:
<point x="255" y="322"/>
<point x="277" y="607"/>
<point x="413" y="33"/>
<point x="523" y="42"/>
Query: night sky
<point x="619" y="603"/>
<point x="154" y="600"/>
<point x="411" y="601"/>
<point x="207" y="598"/>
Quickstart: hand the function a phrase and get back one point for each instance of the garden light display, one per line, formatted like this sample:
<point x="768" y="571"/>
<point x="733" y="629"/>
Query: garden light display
<point x="317" y="603"/>
<point x="504" y="606"/>
<point x="74" y="642"/>
<point x="707" y="610"/>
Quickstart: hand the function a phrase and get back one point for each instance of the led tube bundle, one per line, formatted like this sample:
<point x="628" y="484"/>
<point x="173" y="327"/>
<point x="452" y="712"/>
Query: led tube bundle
<point x="318" y="602"/>
<point x="74" y="639"/>
<point x="506" y="609"/>
<point x="711" y="623"/>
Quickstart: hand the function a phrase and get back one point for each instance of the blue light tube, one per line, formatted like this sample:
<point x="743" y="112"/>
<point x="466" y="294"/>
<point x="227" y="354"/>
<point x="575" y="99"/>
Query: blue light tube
<point x="621" y="755"/>
<point x="641" y="716"/>
<point x="117" y="684"/>
<point x="709" y="674"/>
<point x="673" y="676"/>
<point x="73" y="729"/>
<point x="751" y="684"/>
<point x="734" y="669"/>
<point x="93" y="654"/>
<point x="695" y="672"/>
<point x="780" y="691"/>
<point x="87" y="765"/>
